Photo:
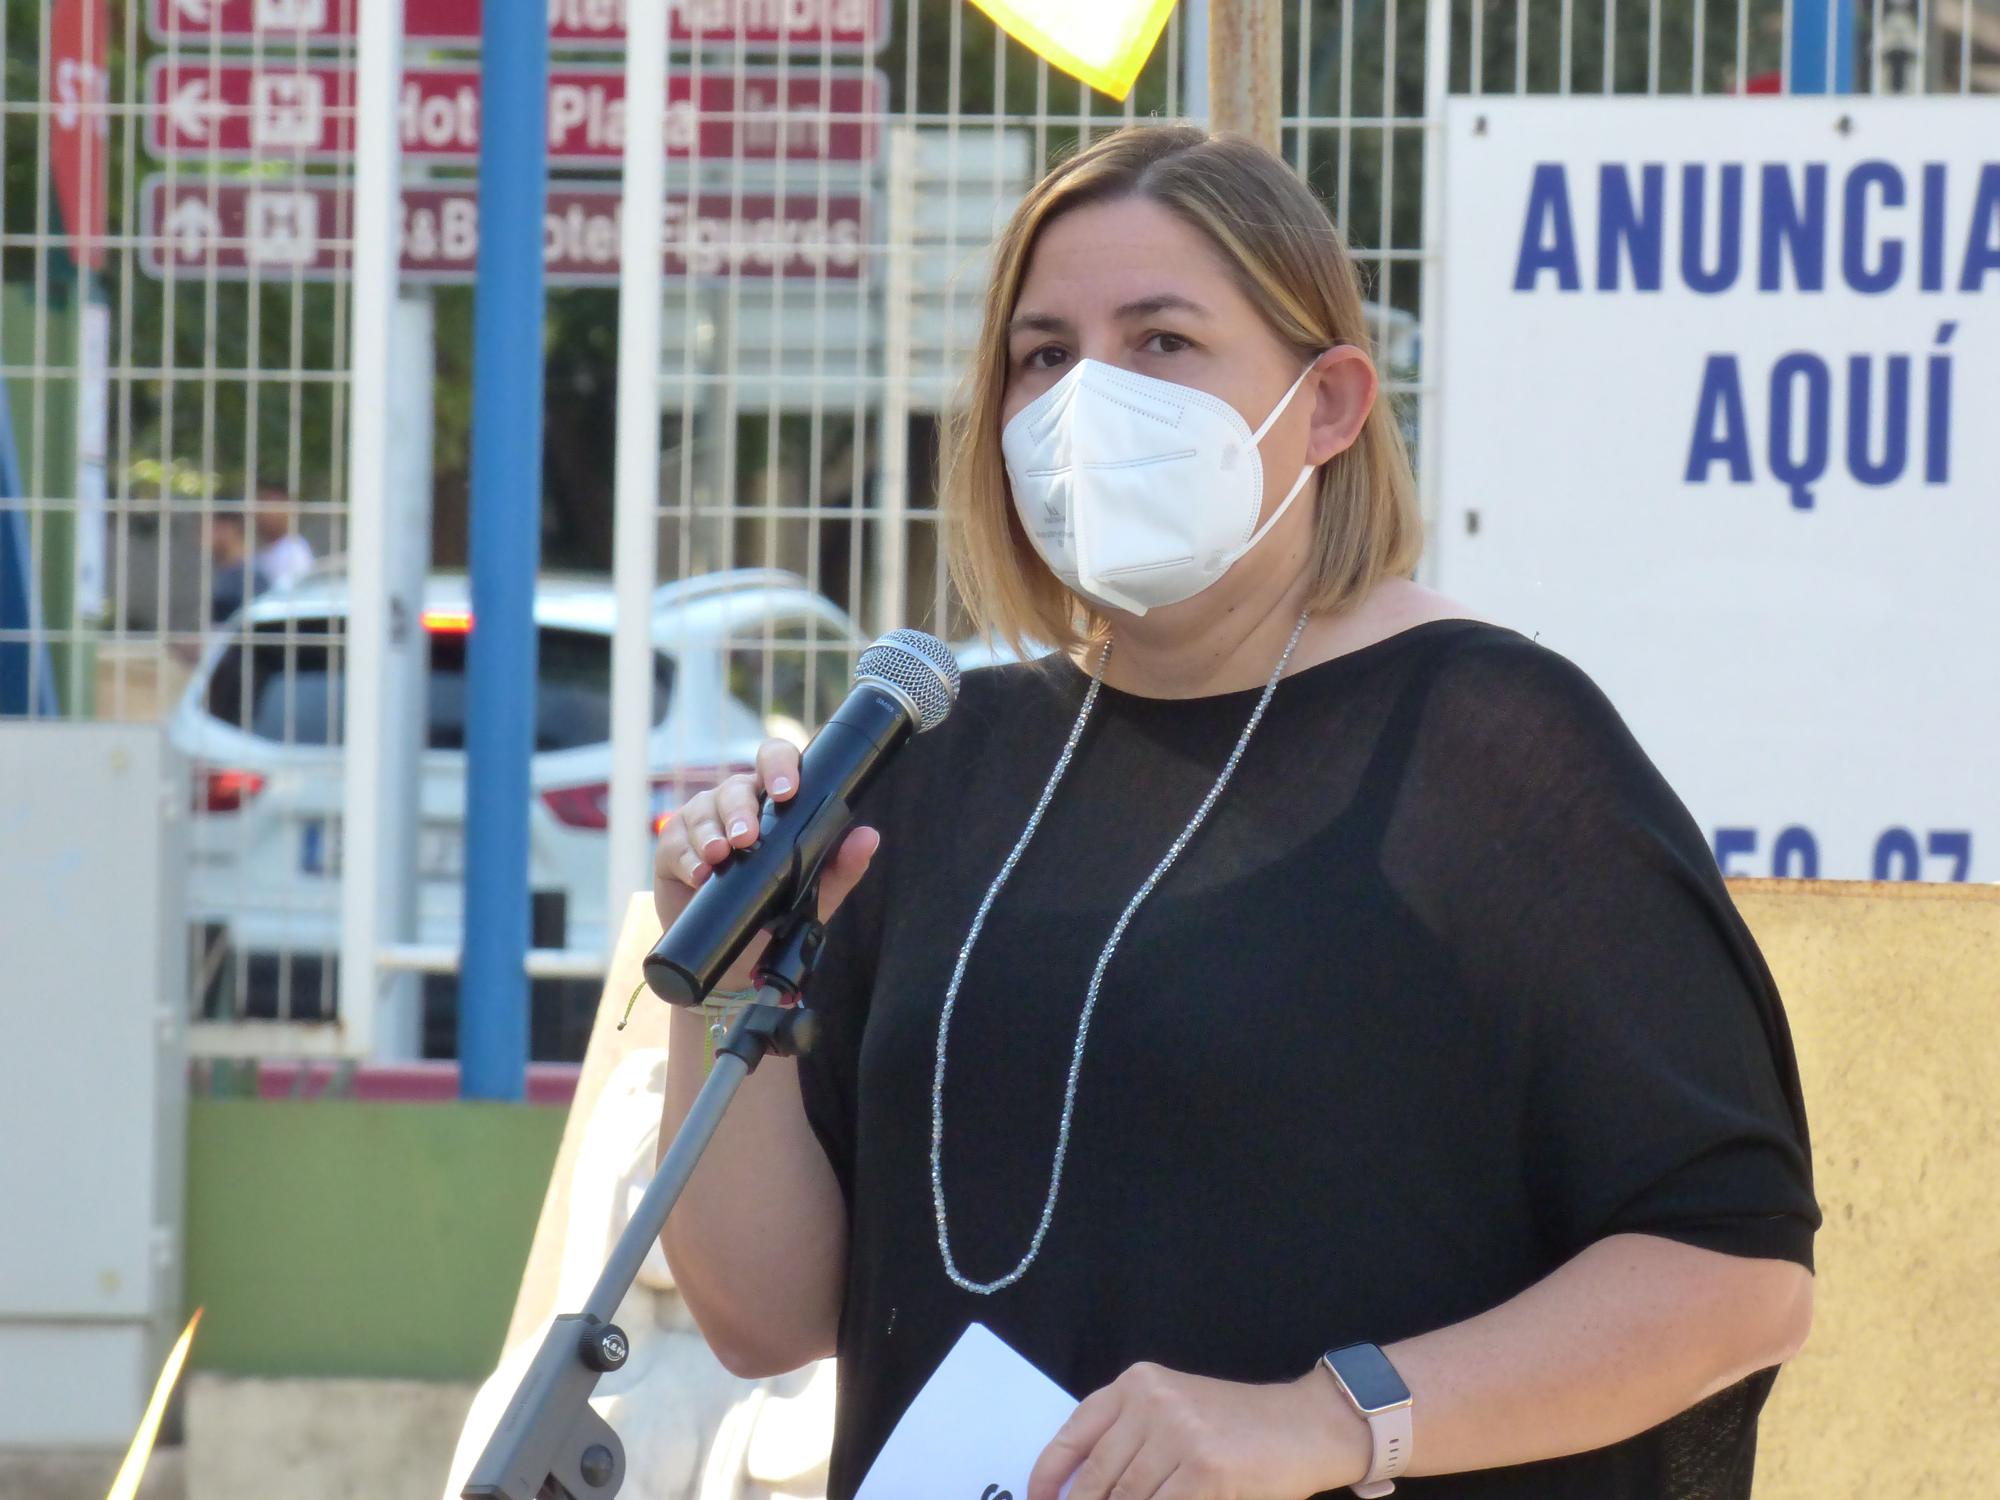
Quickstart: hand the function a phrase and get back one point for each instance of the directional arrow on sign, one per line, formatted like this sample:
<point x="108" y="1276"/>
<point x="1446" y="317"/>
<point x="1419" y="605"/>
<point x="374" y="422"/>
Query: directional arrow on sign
<point x="190" y="110"/>
<point x="196" y="11"/>
<point x="192" y="226"/>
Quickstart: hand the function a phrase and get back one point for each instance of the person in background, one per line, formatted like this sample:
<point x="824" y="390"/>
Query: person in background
<point x="236" y="575"/>
<point x="283" y="555"/>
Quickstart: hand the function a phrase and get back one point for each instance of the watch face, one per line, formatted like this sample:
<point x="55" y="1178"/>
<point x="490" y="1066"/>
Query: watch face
<point x="1369" y="1377"/>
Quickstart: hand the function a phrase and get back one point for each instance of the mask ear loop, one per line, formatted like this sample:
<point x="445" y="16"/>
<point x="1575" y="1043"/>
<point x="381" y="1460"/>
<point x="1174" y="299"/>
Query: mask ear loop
<point x="1304" y="474"/>
<point x="1286" y="399"/>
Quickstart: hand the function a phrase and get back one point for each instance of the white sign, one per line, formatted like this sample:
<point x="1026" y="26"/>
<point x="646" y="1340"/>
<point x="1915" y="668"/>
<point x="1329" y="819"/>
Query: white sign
<point x="975" y="1429"/>
<point x="1721" y="422"/>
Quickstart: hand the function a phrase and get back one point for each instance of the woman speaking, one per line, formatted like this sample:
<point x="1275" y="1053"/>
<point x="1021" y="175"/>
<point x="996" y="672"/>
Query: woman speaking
<point x="1295" y="1017"/>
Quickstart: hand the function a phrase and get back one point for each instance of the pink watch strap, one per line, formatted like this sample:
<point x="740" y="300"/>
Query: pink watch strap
<point x="1390" y="1431"/>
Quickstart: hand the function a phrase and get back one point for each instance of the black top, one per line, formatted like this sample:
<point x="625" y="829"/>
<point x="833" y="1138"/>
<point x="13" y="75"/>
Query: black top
<point x="1446" y="988"/>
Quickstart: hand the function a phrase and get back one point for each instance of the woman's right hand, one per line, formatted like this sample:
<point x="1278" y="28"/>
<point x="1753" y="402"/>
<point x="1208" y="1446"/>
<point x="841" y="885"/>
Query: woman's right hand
<point x="712" y="825"/>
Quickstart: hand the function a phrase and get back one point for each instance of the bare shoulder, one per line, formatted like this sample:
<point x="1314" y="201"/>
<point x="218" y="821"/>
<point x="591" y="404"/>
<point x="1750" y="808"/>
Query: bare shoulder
<point x="1390" y="608"/>
<point x="1402" y="603"/>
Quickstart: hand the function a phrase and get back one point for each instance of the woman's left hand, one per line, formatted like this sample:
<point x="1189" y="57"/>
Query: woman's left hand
<point x="1156" y="1434"/>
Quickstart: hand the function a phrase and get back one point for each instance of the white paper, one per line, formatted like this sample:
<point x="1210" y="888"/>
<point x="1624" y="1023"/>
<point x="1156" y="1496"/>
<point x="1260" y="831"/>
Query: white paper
<point x="974" y="1431"/>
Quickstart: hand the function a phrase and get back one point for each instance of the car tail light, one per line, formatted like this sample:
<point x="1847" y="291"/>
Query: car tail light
<point x="447" y="621"/>
<point x="580" y="806"/>
<point x="589" y="805"/>
<point x="669" y="792"/>
<point x="225" y="791"/>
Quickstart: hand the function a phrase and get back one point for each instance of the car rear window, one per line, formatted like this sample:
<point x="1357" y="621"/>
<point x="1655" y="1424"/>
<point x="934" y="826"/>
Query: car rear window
<point x="798" y="669"/>
<point x="284" y="683"/>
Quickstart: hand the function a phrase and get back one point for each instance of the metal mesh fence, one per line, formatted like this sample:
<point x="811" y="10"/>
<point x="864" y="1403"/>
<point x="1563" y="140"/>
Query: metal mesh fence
<point x="175" y="502"/>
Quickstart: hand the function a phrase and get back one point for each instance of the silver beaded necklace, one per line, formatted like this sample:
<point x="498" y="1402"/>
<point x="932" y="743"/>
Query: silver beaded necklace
<point x="958" y="1277"/>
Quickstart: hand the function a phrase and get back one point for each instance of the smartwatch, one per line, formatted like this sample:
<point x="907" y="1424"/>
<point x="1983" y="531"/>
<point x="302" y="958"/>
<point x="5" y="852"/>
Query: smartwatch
<point x="1366" y="1378"/>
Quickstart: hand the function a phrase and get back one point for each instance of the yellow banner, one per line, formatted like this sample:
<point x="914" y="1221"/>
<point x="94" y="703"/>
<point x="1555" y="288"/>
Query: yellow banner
<point x="1103" y="42"/>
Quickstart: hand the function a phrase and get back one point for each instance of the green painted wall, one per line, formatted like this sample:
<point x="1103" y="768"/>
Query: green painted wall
<point x="351" y="1238"/>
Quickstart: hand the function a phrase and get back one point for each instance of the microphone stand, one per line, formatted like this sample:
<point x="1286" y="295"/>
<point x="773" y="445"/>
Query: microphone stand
<point x="550" y="1444"/>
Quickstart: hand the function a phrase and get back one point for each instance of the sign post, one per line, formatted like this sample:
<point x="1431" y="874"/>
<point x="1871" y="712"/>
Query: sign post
<point x="65" y="448"/>
<point x="1820" y="54"/>
<point x="1244" y="56"/>
<point x="636" y="467"/>
<point x="79" y="124"/>
<point x="500" y="719"/>
<point x="370" y="888"/>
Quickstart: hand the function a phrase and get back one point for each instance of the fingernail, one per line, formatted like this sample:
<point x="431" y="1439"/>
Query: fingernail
<point x="738" y="829"/>
<point x="718" y="843"/>
<point x="780" y="785"/>
<point x="703" y="873"/>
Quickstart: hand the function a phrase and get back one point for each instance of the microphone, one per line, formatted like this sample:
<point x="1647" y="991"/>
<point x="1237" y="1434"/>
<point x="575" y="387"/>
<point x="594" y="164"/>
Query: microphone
<point x="905" y="683"/>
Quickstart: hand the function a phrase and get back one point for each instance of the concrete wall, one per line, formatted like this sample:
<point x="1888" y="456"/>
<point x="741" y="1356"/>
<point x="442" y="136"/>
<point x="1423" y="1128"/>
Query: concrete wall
<point x="1894" y="998"/>
<point x="86" y="1474"/>
<point x="251" y="1439"/>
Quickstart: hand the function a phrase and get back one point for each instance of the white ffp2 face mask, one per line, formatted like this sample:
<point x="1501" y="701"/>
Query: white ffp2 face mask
<point x="1138" y="492"/>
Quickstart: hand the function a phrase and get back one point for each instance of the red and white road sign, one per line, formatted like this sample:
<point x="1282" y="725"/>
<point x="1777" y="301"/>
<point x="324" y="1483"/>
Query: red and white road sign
<point x="78" y="123"/>
<point x="237" y="109"/>
<point x="244" y="229"/>
<point x="765" y="25"/>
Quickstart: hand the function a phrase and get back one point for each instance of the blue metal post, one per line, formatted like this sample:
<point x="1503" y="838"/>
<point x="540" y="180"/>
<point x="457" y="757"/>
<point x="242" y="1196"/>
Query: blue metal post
<point x="24" y="653"/>
<point x="1813" y="71"/>
<point x="505" y="549"/>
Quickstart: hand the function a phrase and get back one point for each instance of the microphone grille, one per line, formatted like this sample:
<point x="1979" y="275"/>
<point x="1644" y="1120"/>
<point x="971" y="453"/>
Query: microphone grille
<point x="918" y="668"/>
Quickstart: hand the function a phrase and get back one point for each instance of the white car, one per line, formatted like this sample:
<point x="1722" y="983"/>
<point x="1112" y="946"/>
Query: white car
<point x="740" y="655"/>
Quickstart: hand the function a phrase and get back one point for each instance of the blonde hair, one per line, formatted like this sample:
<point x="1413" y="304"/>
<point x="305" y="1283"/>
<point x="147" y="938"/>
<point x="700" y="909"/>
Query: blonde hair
<point x="1294" y="267"/>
